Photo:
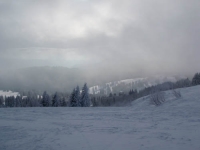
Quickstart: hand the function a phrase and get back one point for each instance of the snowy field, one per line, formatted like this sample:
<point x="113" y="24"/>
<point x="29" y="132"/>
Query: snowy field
<point x="175" y="125"/>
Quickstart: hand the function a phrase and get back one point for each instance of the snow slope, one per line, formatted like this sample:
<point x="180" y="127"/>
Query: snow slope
<point x="127" y="84"/>
<point x="8" y="93"/>
<point x="175" y="125"/>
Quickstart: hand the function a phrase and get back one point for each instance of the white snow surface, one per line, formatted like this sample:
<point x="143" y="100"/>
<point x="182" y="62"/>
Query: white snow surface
<point x="136" y="83"/>
<point x="8" y="93"/>
<point x="175" y="125"/>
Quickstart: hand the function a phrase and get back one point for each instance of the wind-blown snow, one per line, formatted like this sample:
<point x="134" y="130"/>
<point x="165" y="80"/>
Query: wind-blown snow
<point x="175" y="125"/>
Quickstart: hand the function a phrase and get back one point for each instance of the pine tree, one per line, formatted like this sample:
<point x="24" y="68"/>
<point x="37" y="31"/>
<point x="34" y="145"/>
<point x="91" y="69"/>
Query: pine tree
<point x="196" y="79"/>
<point x="10" y="101"/>
<point x="131" y="92"/>
<point x="63" y="102"/>
<point x="1" y="101"/>
<point x="56" y="100"/>
<point x="18" y="101"/>
<point x="73" y="102"/>
<point x="45" y="100"/>
<point x="77" y="96"/>
<point x="6" y="102"/>
<point x="85" y="100"/>
<point x="39" y="100"/>
<point x="32" y="99"/>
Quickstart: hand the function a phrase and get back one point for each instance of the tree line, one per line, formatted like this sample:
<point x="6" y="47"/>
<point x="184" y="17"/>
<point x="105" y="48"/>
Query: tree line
<point x="123" y="99"/>
<point x="82" y="98"/>
<point x="76" y="99"/>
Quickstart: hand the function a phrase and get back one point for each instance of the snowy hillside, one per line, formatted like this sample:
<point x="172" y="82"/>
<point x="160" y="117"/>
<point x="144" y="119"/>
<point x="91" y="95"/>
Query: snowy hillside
<point x="127" y="84"/>
<point x="174" y="125"/>
<point x="190" y="97"/>
<point x="8" y="93"/>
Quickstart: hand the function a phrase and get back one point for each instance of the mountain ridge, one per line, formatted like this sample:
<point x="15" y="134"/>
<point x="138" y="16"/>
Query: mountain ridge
<point x="128" y="84"/>
<point x="59" y="78"/>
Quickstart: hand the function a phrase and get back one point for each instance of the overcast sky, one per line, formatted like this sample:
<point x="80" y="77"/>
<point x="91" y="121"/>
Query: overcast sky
<point x="142" y="35"/>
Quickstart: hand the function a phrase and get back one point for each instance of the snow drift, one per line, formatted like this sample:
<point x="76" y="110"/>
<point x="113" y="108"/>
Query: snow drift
<point x="174" y="125"/>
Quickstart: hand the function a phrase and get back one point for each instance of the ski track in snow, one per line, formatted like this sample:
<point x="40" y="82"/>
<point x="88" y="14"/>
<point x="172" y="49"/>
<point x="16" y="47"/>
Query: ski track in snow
<point x="174" y="125"/>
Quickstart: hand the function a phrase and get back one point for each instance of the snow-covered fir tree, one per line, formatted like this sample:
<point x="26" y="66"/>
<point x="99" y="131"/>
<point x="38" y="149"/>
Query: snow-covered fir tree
<point x="45" y="100"/>
<point x="73" y="102"/>
<point x="85" y="100"/>
<point x="56" y="100"/>
<point x="32" y="100"/>
<point x="77" y="96"/>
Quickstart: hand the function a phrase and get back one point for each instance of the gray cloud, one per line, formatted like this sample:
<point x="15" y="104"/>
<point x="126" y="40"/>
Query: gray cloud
<point x="131" y="36"/>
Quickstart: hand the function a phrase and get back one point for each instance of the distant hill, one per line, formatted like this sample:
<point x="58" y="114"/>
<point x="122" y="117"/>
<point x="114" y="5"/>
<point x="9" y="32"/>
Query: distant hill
<point x="189" y="101"/>
<point x="128" y="84"/>
<point x="64" y="79"/>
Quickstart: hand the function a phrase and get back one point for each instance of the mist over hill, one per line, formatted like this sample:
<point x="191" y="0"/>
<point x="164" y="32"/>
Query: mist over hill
<point x="132" y="84"/>
<point x="65" y="79"/>
<point x="41" y="78"/>
<point x="51" y="78"/>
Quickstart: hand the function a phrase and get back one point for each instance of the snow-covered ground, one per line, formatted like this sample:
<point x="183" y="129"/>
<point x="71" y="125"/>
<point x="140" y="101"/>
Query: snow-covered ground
<point x="175" y="125"/>
<point x="136" y="83"/>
